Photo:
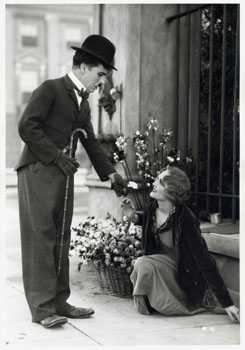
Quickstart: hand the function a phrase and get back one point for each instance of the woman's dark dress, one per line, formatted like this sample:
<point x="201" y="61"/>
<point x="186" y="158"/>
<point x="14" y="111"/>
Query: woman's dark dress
<point x="154" y="276"/>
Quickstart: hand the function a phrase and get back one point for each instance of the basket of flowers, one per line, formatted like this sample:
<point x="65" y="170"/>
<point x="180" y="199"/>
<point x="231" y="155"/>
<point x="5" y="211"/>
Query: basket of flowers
<point x="112" y="247"/>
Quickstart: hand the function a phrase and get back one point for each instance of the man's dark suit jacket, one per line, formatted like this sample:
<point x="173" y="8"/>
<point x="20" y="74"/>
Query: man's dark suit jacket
<point x="48" y="121"/>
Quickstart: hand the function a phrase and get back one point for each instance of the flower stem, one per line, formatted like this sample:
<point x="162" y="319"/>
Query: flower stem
<point x="135" y="194"/>
<point x="154" y="152"/>
<point x="129" y="177"/>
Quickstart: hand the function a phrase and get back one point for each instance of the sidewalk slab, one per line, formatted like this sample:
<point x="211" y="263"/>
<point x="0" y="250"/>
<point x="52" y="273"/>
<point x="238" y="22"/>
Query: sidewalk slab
<point x="19" y="330"/>
<point x="116" y="321"/>
<point x="115" y="324"/>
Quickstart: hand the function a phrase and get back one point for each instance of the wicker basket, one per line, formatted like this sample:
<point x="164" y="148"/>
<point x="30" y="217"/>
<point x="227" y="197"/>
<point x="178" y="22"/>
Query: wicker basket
<point x="114" y="280"/>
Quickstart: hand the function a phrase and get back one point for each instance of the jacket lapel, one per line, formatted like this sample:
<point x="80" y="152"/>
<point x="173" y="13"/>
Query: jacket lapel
<point x="70" y="90"/>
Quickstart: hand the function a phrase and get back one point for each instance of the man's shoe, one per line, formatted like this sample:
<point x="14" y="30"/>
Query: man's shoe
<point x="75" y="312"/>
<point x="53" y="321"/>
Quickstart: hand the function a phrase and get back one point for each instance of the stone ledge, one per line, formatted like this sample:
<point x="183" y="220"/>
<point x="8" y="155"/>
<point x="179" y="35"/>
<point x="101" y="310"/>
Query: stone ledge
<point x="93" y="181"/>
<point x="222" y="244"/>
<point x="11" y="178"/>
<point x="225" y="227"/>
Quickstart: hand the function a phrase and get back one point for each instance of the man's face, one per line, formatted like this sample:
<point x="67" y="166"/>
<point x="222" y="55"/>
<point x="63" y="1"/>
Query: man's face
<point x="92" y="77"/>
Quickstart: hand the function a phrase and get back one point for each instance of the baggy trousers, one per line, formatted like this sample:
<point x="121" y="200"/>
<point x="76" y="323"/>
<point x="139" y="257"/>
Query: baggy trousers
<point x="41" y="192"/>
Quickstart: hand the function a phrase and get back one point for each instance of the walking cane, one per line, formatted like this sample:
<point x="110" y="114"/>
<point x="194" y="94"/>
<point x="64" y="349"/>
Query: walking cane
<point x="61" y="245"/>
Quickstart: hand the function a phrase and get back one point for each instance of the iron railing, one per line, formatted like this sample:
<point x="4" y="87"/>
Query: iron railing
<point x="204" y="117"/>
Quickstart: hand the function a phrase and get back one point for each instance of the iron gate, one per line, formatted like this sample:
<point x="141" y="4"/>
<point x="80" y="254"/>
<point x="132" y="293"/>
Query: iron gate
<point x="208" y="103"/>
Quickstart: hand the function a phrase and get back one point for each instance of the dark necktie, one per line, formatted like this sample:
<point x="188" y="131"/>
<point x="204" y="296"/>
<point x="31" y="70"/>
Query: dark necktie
<point x="84" y="94"/>
<point x="83" y="115"/>
<point x="84" y="106"/>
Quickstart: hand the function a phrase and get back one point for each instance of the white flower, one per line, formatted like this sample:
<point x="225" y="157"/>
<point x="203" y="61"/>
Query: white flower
<point x="170" y="159"/>
<point x="93" y="222"/>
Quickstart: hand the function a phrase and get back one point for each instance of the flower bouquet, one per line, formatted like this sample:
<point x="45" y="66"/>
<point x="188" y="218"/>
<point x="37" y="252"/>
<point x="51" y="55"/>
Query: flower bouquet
<point x="153" y="152"/>
<point x="112" y="247"/>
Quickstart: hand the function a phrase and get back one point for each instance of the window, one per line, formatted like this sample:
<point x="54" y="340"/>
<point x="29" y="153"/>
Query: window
<point x="28" y="82"/>
<point x="72" y="37"/>
<point x="29" y="34"/>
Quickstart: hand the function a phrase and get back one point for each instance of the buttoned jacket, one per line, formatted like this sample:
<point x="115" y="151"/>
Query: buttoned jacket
<point x="48" y="121"/>
<point x="196" y="268"/>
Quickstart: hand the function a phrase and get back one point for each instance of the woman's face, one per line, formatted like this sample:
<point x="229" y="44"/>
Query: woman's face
<point x="159" y="189"/>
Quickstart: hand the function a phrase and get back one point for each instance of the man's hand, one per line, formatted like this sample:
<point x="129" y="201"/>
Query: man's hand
<point x="118" y="184"/>
<point x="66" y="164"/>
<point x="108" y="104"/>
<point x="233" y="312"/>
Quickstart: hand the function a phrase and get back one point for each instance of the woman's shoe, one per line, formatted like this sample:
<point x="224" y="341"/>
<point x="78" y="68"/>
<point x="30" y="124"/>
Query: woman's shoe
<point x="140" y="304"/>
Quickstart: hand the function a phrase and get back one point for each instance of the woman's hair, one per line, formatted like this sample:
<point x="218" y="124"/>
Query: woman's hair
<point x="84" y="57"/>
<point x="177" y="185"/>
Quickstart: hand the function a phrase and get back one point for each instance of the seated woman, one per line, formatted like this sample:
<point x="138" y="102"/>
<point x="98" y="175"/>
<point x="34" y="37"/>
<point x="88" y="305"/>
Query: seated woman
<point x="177" y="270"/>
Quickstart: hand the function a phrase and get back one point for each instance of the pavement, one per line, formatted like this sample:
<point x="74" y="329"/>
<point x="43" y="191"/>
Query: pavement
<point x="115" y="323"/>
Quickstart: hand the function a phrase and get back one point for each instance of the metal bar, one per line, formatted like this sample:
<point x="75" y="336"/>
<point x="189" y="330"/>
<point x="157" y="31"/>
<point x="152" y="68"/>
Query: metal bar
<point x="101" y="25"/>
<point x="194" y="82"/>
<point x="195" y="85"/>
<point x="210" y="84"/>
<point x="223" y="86"/>
<point x="226" y="195"/>
<point x="140" y="48"/>
<point x="235" y="106"/>
<point x="182" y="14"/>
<point x="101" y="18"/>
<point x="188" y="82"/>
<point x="183" y="85"/>
<point x="176" y="127"/>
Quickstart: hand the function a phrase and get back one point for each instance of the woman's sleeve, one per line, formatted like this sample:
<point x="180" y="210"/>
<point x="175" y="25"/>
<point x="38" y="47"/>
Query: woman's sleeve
<point x="139" y="216"/>
<point x="205" y="262"/>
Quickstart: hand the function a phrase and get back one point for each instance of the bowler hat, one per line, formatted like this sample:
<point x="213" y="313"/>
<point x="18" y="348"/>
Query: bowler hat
<point x="99" y="47"/>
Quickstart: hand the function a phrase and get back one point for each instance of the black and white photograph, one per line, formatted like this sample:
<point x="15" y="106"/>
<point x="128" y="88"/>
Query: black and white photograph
<point x="120" y="161"/>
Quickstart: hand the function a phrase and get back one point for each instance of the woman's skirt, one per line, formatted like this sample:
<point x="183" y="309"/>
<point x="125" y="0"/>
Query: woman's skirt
<point x="154" y="277"/>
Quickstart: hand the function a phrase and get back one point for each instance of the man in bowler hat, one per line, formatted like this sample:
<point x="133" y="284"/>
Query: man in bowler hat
<point x="56" y="108"/>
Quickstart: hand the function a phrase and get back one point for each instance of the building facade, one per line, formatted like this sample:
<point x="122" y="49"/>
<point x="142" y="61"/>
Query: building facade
<point x="38" y="40"/>
<point x="178" y="63"/>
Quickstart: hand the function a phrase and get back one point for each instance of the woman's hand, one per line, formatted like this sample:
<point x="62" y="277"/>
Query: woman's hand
<point x="233" y="312"/>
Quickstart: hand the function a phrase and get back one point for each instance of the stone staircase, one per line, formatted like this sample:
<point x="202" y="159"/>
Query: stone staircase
<point x="223" y="243"/>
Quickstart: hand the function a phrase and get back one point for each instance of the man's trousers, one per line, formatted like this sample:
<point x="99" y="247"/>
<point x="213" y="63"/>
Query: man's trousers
<point x="41" y="190"/>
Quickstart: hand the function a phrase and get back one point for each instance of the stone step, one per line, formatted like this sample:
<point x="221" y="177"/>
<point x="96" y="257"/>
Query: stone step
<point x="223" y="243"/>
<point x="225" y="227"/>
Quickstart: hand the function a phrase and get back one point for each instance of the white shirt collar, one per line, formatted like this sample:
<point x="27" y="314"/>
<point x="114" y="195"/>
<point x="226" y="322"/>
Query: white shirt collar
<point x="76" y="81"/>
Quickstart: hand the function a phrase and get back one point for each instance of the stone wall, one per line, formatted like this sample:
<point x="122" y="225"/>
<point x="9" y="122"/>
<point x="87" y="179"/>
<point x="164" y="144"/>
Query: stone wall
<point x="146" y="61"/>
